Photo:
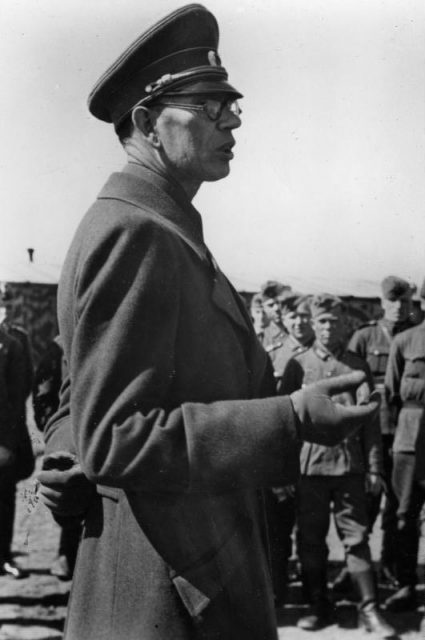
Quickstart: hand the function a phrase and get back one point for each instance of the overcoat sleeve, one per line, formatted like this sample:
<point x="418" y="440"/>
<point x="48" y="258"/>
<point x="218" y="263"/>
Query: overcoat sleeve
<point x="120" y="337"/>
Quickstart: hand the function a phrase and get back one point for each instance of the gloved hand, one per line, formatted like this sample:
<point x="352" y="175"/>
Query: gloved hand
<point x="321" y="420"/>
<point x="64" y="488"/>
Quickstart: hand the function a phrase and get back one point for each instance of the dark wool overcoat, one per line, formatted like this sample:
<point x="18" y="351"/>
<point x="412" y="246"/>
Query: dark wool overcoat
<point x="170" y="422"/>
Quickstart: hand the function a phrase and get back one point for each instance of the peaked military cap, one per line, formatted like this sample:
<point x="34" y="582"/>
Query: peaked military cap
<point x="274" y="289"/>
<point x="325" y="303"/>
<point x="177" y="54"/>
<point x="394" y="287"/>
<point x="256" y="300"/>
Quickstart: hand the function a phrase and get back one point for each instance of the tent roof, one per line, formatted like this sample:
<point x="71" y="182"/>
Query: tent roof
<point x="32" y="272"/>
<point x="336" y="286"/>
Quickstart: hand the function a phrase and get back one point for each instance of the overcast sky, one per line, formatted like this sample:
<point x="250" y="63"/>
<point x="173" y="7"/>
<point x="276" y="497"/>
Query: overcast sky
<point x="328" y="176"/>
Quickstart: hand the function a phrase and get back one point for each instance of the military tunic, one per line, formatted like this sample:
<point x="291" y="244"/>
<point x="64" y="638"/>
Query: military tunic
<point x="281" y="505"/>
<point x="372" y="342"/>
<point x="405" y="387"/>
<point x="334" y="474"/>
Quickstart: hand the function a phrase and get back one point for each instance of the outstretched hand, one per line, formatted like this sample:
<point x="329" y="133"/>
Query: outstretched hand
<point x="325" y="422"/>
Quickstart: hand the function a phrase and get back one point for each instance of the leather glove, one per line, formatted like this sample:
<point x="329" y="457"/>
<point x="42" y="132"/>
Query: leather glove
<point x="321" y="420"/>
<point x="64" y="488"/>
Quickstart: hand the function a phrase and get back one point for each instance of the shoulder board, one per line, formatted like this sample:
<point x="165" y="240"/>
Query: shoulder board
<point x="19" y="329"/>
<point x="273" y="347"/>
<point x="365" y="325"/>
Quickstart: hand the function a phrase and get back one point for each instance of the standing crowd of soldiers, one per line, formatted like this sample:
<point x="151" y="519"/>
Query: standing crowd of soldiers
<point x="380" y="469"/>
<point x="170" y="426"/>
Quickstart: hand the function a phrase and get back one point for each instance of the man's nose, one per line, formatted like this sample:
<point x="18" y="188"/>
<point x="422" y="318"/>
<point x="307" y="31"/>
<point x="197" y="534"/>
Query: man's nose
<point x="229" y="120"/>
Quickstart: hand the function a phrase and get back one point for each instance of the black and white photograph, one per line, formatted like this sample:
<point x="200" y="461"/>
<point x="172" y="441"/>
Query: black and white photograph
<point x="212" y="320"/>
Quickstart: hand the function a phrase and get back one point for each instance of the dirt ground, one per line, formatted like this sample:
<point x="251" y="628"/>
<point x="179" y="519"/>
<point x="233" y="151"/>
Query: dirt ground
<point x="34" y="608"/>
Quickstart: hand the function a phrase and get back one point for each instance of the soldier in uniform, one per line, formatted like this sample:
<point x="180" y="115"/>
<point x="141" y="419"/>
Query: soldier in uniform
<point x="48" y="377"/>
<point x="272" y="292"/>
<point x="17" y="332"/>
<point x="18" y="376"/>
<point x="296" y="318"/>
<point x="372" y="342"/>
<point x="12" y="372"/>
<point x="169" y="413"/>
<point x="405" y="389"/>
<point x="298" y="336"/>
<point x="258" y="315"/>
<point x="338" y="475"/>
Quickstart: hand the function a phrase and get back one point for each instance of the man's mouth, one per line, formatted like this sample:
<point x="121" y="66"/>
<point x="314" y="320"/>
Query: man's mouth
<point x="226" y="148"/>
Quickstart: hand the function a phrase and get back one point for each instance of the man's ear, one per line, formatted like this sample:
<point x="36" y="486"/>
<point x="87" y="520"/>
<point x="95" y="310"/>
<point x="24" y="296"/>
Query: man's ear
<point x="145" y="123"/>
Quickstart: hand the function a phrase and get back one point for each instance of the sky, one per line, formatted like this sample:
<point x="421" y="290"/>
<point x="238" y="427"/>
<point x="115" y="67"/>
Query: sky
<point x="327" y="184"/>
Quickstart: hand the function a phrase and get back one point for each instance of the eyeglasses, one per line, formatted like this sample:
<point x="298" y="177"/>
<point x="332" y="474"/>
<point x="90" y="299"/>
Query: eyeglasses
<point x="211" y="107"/>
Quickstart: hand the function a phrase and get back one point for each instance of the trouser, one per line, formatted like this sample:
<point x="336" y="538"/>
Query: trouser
<point x="411" y="498"/>
<point x="389" y="509"/>
<point x="7" y="514"/>
<point x="280" y="524"/>
<point x="315" y="497"/>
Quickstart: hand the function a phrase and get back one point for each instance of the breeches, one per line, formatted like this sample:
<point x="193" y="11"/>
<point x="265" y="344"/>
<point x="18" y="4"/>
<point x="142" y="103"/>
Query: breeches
<point x="347" y="494"/>
<point x="410" y="497"/>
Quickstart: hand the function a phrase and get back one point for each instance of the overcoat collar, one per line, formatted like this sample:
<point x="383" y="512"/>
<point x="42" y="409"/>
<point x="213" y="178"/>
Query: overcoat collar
<point x="166" y="199"/>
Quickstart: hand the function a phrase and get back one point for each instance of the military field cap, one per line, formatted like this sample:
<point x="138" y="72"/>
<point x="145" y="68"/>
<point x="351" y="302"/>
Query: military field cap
<point x="294" y="301"/>
<point x="257" y="300"/>
<point x="274" y="289"/>
<point x="326" y="304"/>
<point x="394" y="287"/>
<point x="179" y="51"/>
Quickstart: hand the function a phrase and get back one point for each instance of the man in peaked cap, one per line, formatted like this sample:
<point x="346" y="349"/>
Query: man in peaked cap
<point x="336" y="475"/>
<point x="405" y="391"/>
<point x="168" y="409"/>
<point x="372" y="342"/>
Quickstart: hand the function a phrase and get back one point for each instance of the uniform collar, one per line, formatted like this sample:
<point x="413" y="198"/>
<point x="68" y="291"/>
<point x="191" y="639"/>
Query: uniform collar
<point x="296" y="345"/>
<point x="145" y="187"/>
<point x="325" y="354"/>
<point x="392" y="328"/>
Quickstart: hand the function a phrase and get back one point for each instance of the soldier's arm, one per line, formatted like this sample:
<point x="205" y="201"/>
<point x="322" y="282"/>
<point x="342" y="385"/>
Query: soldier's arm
<point x="292" y="378"/>
<point x="393" y="376"/>
<point x="15" y="379"/>
<point x="371" y="432"/>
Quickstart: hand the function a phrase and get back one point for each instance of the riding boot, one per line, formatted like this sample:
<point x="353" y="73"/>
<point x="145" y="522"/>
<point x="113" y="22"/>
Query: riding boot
<point x="370" y="617"/>
<point x="320" y="613"/>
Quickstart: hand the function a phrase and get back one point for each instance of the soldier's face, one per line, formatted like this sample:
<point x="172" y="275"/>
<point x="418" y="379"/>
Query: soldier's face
<point x="298" y="325"/>
<point x="273" y="310"/>
<point x="258" y="317"/>
<point x="194" y="148"/>
<point x="329" y="329"/>
<point x="397" y="310"/>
